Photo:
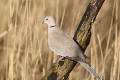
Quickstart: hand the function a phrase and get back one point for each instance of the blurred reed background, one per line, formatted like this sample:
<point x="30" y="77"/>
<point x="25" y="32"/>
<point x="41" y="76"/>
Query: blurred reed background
<point x="24" y="52"/>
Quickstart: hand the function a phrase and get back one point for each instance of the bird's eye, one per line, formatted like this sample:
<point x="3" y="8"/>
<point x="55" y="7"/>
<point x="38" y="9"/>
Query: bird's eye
<point x="47" y="19"/>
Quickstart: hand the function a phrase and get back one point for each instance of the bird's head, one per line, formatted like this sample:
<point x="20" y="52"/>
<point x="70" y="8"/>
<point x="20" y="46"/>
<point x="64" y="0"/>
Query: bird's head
<point x="49" y="20"/>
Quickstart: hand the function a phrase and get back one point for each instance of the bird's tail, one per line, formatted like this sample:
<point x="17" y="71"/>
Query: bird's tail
<point x="90" y="69"/>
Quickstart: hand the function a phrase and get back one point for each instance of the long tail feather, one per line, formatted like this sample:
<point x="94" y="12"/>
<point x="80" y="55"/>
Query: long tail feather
<point x="90" y="69"/>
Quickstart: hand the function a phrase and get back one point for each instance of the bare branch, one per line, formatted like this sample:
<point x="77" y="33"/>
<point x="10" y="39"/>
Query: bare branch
<point x="82" y="36"/>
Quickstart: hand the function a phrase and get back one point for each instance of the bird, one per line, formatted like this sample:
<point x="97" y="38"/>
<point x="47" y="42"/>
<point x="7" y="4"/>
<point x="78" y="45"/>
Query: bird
<point x="63" y="45"/>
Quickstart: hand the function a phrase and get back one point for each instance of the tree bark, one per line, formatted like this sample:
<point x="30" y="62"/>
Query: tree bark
<point x="82" y="36"/>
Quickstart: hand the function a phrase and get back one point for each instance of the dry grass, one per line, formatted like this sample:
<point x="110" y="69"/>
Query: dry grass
<point x="24" y="53"/>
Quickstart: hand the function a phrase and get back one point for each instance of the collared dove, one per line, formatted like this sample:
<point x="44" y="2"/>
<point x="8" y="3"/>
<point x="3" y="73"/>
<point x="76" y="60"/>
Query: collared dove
<point x="63" y="45"/>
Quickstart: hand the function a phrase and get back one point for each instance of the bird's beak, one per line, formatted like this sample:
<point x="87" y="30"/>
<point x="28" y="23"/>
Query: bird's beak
<point x="43" y="22"/>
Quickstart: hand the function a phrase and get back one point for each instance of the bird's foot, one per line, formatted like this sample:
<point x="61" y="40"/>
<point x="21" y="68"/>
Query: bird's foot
<point x="60" y="59"/>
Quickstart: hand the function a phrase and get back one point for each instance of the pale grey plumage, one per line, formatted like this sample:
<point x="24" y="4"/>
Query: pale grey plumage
<point x="62" y="44"/>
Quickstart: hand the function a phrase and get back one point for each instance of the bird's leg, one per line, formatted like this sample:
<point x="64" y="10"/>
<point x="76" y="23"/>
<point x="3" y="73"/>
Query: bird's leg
<point x="60" y="59"/>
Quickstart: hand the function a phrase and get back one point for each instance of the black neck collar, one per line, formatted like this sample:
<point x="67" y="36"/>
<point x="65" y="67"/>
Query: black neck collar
<point x="52" y="26"/>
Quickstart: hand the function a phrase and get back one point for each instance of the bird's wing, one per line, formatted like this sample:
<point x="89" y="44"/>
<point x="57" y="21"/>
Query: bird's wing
<point x="63" y="44"/>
